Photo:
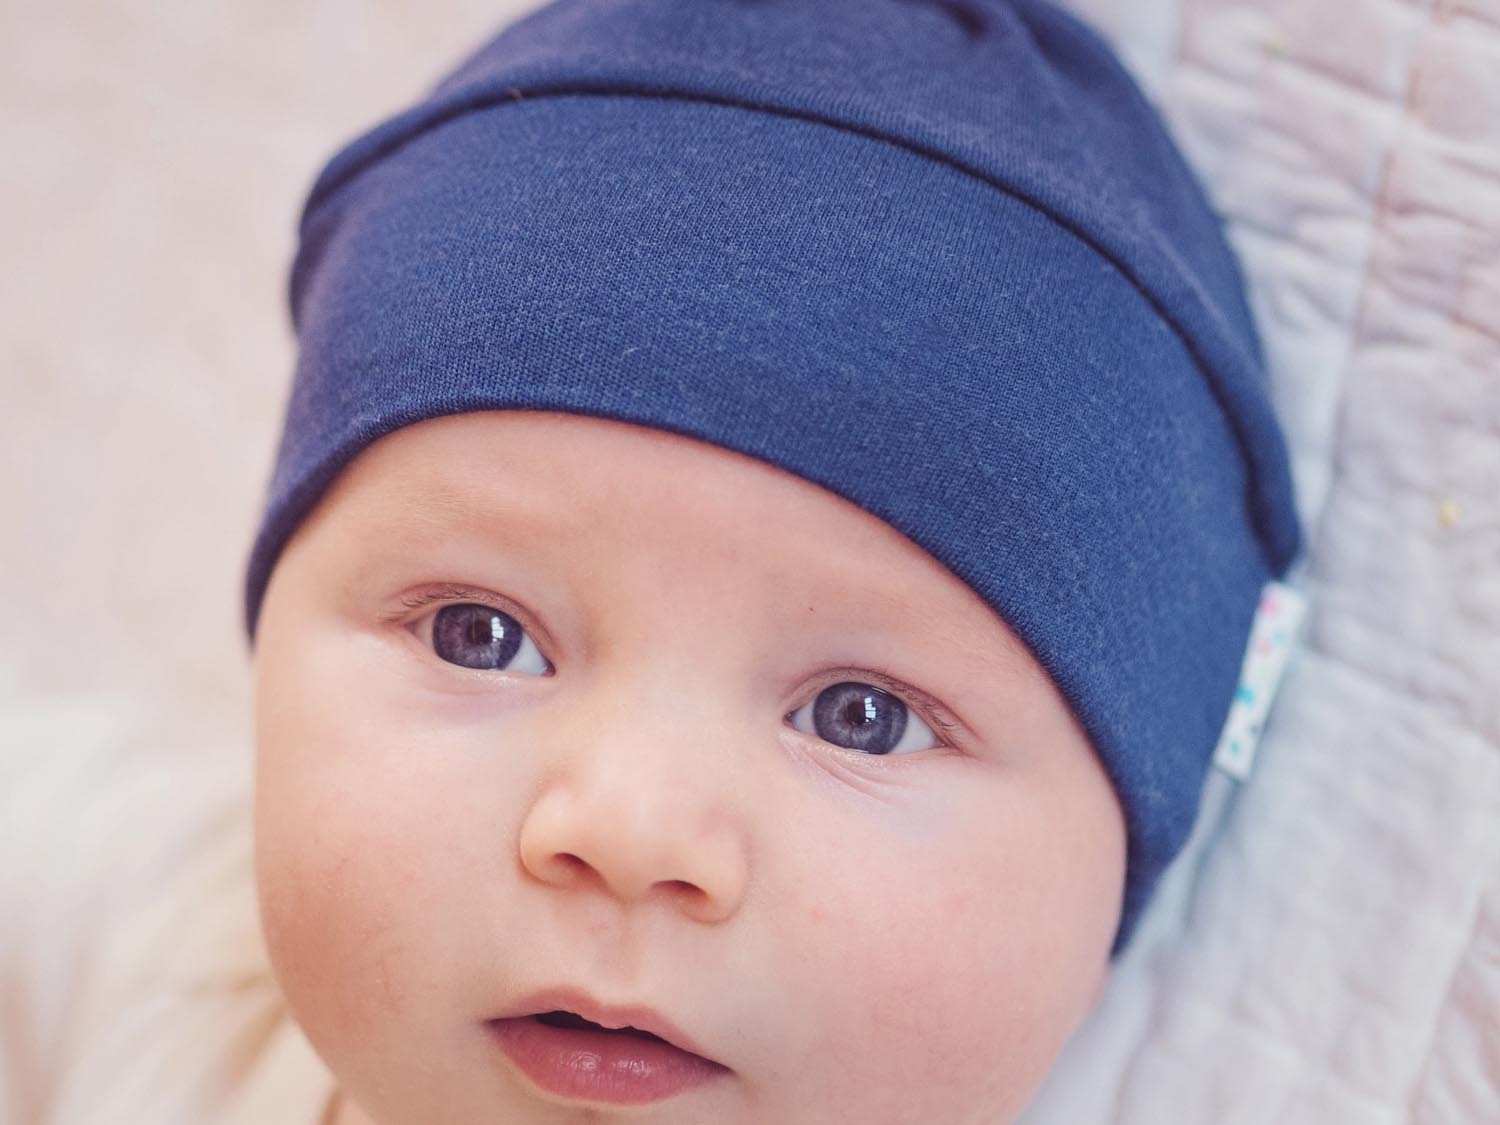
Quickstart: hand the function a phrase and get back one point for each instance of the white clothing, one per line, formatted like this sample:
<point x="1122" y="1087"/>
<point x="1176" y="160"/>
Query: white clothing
<point x="134" y="983"/>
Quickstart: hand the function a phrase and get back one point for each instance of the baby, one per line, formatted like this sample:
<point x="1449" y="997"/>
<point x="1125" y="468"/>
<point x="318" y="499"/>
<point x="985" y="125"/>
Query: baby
<point x="771" y="509"/>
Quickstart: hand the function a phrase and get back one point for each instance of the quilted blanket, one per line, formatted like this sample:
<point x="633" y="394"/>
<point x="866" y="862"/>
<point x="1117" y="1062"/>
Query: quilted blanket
<point x="1328" y="947"/>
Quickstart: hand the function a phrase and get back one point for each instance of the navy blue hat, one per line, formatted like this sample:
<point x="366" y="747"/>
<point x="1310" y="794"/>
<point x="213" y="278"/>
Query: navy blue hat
<point x="938" y="257"/>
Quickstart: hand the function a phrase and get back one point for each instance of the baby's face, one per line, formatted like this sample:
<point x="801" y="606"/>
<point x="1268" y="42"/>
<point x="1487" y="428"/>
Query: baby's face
<point x="560" y="714"/>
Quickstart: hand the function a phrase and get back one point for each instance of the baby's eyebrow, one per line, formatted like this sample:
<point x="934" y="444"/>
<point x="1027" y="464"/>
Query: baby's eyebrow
<point x="980" y="640"/>
<point x="399" y="526"/>
<point x="431" y="511"/>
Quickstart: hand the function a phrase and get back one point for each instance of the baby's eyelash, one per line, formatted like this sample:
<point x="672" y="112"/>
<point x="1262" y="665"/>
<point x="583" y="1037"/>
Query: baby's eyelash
<point x="420" y="598"/>
<point x="945" y="727"/>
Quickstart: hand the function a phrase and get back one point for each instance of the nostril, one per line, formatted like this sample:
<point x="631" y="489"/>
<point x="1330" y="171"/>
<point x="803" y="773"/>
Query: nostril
<point x="572" y="864"/>
<point x="966" y="15"/>
<point x="683" y="889"/>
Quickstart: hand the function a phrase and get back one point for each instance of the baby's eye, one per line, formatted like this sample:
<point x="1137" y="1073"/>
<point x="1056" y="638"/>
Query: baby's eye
<point x="863" y="717"/>
<point x="481" y="636"/>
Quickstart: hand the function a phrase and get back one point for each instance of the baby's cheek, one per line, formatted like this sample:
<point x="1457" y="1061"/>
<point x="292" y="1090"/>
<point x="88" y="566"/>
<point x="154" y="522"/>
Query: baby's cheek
<point x="337" y="903"/>
<point x="936" y="988"/>
<point x="938" y="999"/>
<point x="346" y="854"/>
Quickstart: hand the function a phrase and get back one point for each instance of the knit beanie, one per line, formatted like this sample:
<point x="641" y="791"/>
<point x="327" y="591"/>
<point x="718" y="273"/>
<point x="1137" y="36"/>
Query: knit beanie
<point x="939" y="257"/>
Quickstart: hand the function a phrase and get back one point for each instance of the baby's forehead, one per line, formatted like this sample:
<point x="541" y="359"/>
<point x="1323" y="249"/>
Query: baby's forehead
<point x="597" y="503"/>
<point x="575" y="477"/>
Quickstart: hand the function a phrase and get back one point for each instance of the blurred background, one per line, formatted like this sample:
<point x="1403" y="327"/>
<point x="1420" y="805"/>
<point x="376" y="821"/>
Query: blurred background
<point x="155" y="156"/>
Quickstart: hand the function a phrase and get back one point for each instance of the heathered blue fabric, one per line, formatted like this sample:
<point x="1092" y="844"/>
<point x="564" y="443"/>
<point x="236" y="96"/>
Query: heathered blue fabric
<point x="939" y="258"/>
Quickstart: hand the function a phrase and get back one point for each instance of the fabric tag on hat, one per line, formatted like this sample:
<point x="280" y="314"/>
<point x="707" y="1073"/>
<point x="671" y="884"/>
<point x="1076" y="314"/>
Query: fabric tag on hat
<point x="1272" y="635"/>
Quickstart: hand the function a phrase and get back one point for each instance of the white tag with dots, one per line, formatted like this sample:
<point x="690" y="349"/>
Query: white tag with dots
<point x="1272" y="634"/>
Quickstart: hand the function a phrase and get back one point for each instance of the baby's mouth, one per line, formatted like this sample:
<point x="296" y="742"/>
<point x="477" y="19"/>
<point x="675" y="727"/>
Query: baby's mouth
<point x="573" y="1021"/>
<point x="569" y="1054"/>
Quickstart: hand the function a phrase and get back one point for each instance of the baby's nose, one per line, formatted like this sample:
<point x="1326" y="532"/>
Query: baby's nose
<point x="638" y="831"/>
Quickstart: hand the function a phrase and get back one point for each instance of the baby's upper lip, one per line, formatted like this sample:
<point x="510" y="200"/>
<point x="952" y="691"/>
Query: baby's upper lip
<point x="612" y="1016"/>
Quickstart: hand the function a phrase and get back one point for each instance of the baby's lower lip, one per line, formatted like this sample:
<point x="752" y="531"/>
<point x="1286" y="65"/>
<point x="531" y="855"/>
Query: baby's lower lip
<point x="616" y="1067"/>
